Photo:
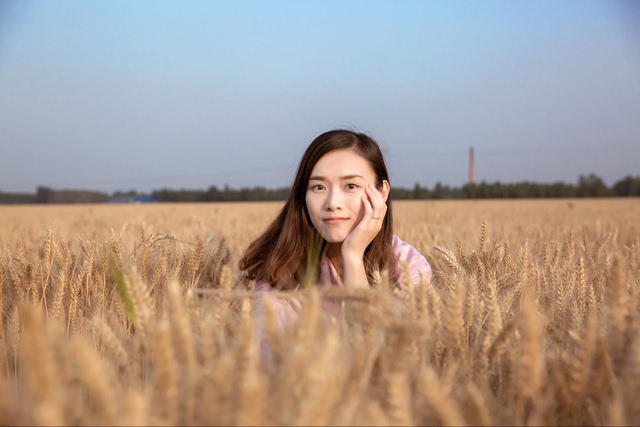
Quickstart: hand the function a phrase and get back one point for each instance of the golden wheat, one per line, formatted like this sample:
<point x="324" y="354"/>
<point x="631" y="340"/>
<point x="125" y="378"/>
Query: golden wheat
<point x="138" y="315"/>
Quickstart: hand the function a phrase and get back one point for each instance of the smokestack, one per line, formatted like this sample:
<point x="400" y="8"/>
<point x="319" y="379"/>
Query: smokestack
<point x="472" y="176"/>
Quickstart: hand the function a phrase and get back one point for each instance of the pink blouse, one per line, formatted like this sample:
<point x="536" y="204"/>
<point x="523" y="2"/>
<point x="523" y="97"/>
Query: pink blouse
<point x="288" y="310"/>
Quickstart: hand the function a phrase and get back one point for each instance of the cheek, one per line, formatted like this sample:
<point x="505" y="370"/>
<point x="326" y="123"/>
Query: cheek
<point x="355" y="202"/>
<point x="312" y="204"/>
<point x="308" y="204"/>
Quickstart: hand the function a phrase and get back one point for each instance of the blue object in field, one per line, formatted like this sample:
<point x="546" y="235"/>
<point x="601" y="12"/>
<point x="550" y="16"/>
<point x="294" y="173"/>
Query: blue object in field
<point x="137" y="199"/>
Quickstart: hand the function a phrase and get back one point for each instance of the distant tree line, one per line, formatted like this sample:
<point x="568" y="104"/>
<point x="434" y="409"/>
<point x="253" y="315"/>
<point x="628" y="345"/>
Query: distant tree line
<point x="227" y="194"/>
<point x="587" y="186"/>
<point x="49" y="195"/>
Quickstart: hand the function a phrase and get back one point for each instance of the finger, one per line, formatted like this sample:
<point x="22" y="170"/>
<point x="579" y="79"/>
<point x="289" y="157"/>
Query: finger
<point x="372" y="197"/>
<point x="378" y="194"/>
<point x="368" y="208"/>
<point x="377" y="203"/>
<point x="375" y="210"/>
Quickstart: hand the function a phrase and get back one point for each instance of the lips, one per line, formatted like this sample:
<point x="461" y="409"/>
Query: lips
<point x="334" y="220"/>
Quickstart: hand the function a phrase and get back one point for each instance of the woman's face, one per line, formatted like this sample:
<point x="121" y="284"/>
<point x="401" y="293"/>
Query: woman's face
<point x="334" y="193"/>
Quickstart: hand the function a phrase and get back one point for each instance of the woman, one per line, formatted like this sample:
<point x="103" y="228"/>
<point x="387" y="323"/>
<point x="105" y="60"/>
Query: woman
<point x="338" y="216"/>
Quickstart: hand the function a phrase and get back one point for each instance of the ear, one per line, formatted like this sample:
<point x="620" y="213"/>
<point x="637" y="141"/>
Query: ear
<point x="386" y="189"/>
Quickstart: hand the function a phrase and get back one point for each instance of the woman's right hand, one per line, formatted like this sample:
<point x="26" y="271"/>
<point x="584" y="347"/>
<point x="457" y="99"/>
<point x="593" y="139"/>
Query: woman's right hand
<point x="354" y="246"/>
<point x="374" y="210"/>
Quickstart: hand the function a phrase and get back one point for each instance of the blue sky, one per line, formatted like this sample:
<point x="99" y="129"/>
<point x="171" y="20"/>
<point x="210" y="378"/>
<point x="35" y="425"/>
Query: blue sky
<point x="142" y="95"/>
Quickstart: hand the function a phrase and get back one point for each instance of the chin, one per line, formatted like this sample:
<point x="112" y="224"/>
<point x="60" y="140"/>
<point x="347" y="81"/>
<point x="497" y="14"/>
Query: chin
<point x="333" y="238"/>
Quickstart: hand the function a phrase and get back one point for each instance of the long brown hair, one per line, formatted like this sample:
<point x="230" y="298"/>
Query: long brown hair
<point x="280" y="255"/>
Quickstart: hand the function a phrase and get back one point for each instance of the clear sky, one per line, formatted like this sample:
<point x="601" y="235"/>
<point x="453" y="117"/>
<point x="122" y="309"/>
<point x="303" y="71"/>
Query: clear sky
<point x="142" y="95"/>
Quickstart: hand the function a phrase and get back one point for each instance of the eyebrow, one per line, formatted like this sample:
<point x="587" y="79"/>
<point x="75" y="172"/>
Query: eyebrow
<point x="321" y="178"/>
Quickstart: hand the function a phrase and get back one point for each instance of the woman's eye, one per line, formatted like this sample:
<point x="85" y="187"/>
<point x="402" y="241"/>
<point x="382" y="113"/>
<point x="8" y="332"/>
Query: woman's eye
<point x="318" y="187"/>
<point x="351" y="186"/>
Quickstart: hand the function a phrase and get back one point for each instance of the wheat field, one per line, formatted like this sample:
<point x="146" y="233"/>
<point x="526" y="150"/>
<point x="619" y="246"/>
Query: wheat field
<point x="137" y="315"/>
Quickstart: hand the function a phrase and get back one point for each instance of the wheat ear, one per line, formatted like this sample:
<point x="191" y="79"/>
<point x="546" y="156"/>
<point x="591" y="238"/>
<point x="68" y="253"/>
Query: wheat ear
<point x="36" y="353"/>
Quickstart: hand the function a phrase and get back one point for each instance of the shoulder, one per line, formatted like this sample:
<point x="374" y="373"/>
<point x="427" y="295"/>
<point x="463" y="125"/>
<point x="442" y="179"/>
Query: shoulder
<point x="409" y="255"/>
<point x="262" y="286"/>
<point x="404" y="251"/>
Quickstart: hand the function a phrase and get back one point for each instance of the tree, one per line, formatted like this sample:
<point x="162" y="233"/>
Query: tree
<point x="628" y="186"/>
<point x="420" y="192"/>
<point x="469" y="191"/>
<point x="44" y="195"/>
<point x="439" y="191"/>
<point x="592" y="186"/>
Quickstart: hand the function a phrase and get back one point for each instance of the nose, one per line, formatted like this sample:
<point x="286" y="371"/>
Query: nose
<point x="334" y="200"/>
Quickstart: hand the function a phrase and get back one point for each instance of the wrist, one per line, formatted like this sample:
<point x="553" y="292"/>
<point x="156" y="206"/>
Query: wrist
<point x="352" y="259"/>
<point x="355" y="275"/>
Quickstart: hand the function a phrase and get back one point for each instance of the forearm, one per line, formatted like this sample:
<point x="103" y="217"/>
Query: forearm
<point x="355" y="275"/>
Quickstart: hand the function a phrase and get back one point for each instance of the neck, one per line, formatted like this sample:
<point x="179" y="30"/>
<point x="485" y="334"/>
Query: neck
<point x="334" y="253"/>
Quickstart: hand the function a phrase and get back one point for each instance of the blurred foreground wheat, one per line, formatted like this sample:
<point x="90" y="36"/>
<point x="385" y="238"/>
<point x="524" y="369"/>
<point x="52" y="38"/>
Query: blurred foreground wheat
<point x="531" y="318"/>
